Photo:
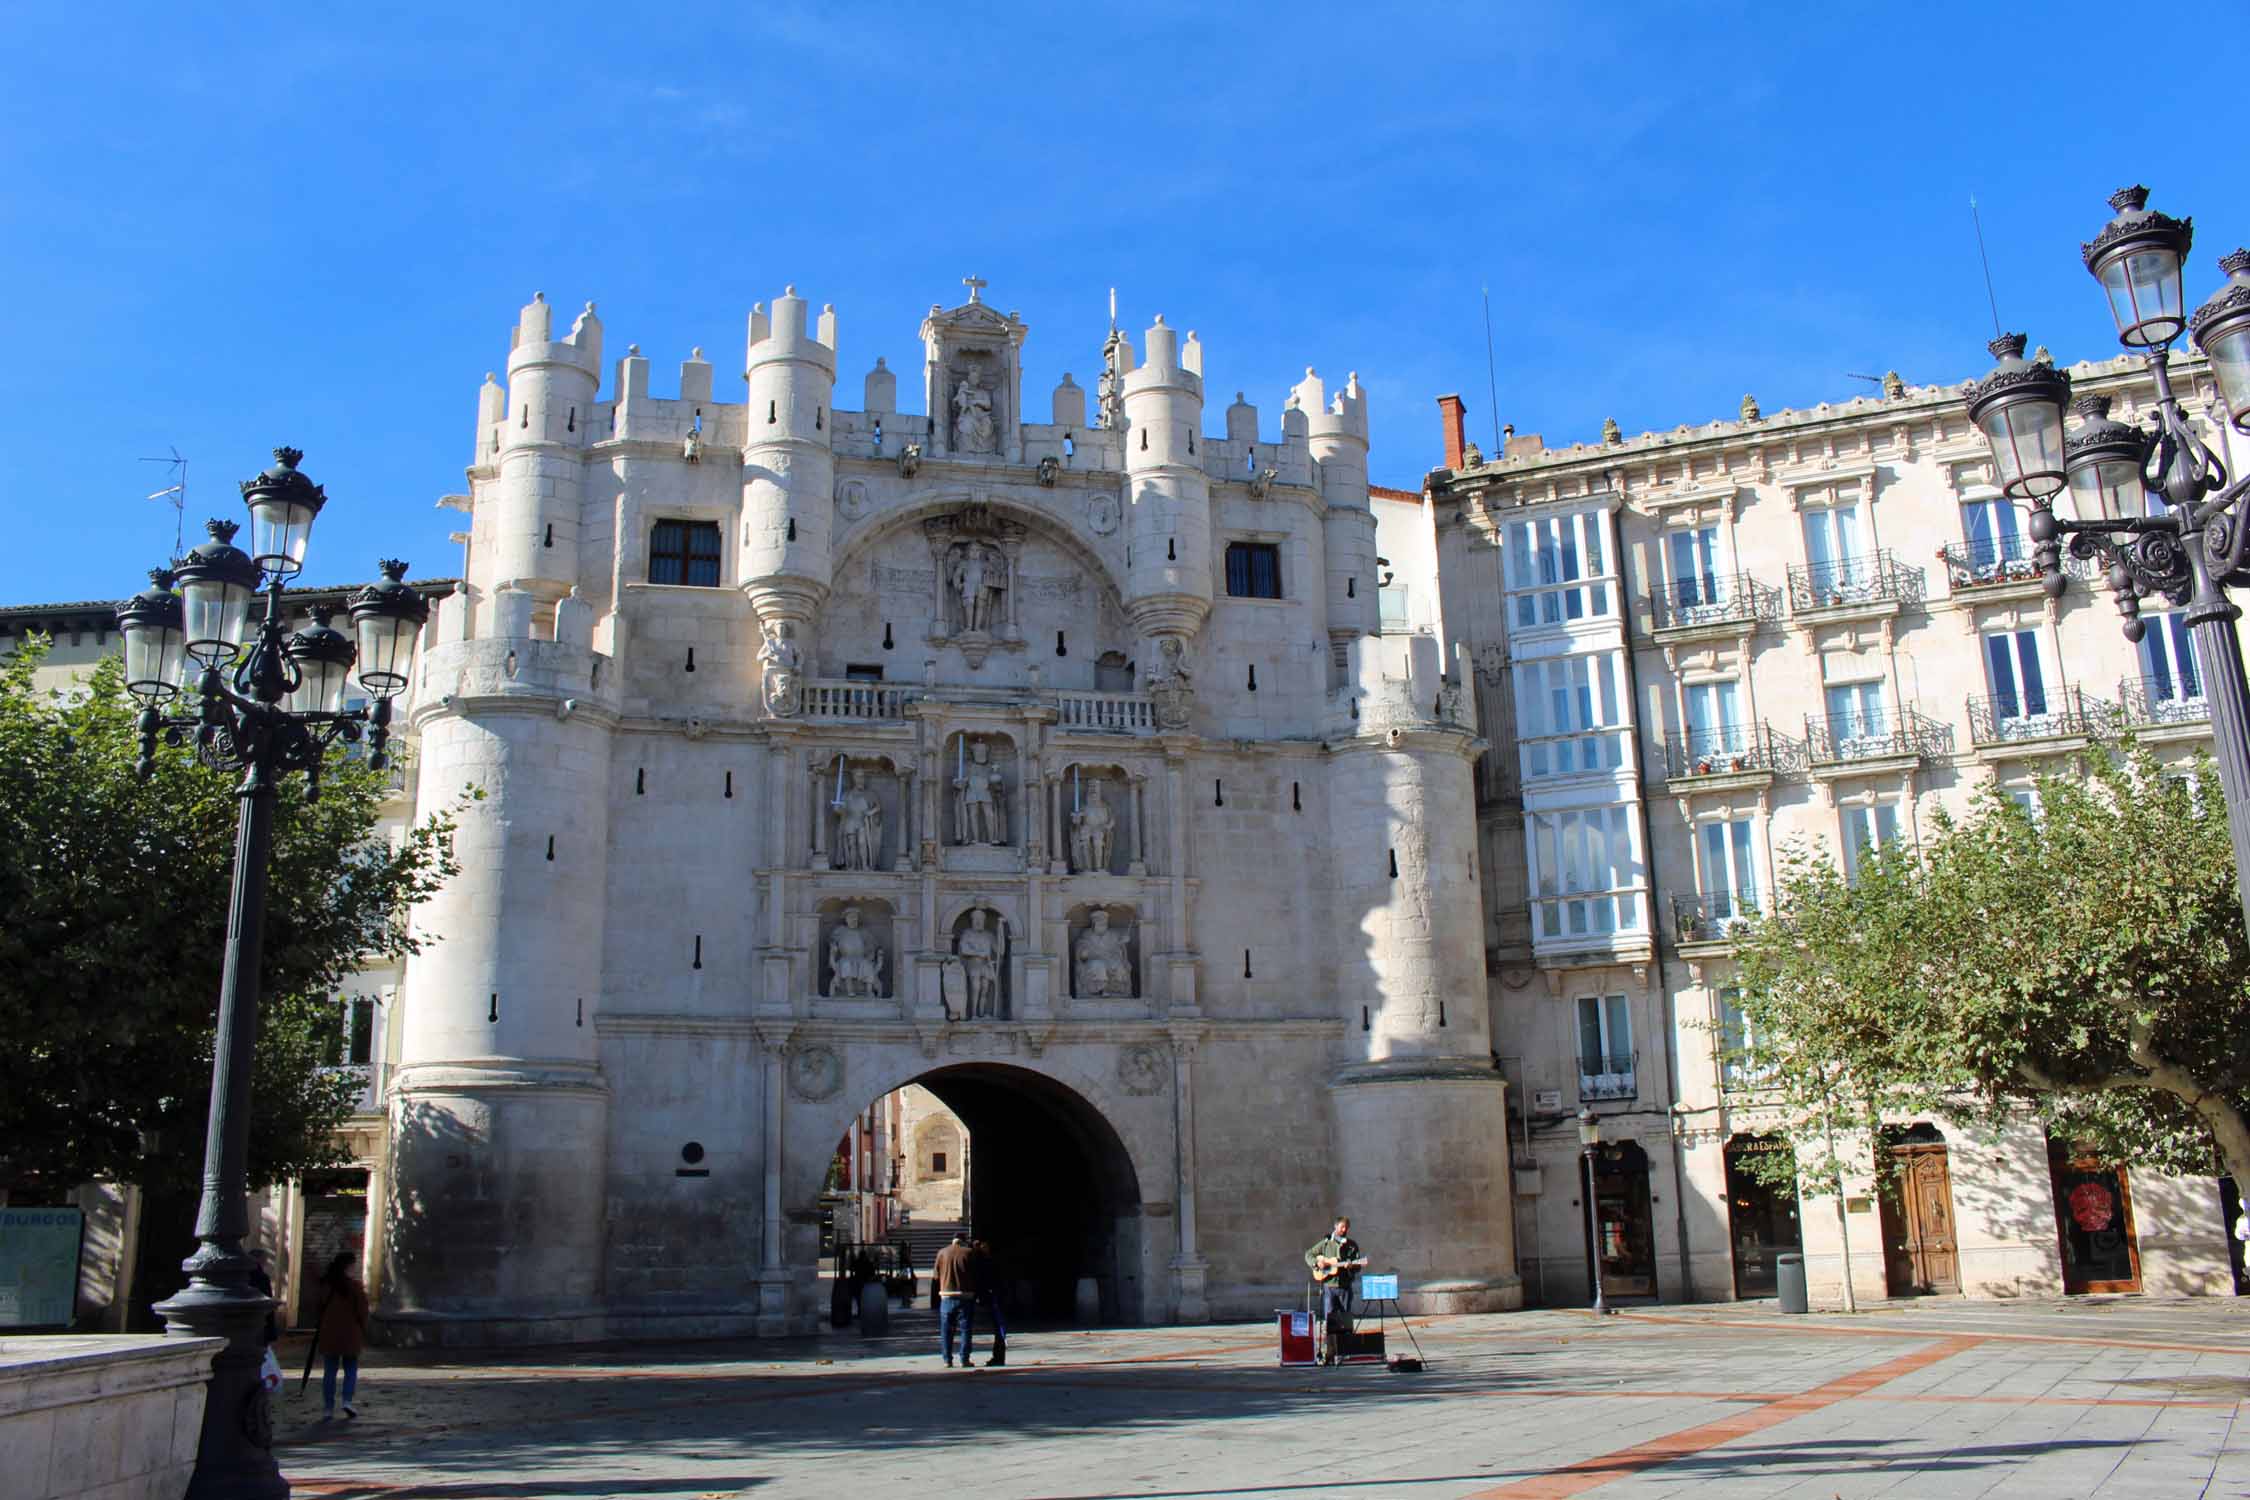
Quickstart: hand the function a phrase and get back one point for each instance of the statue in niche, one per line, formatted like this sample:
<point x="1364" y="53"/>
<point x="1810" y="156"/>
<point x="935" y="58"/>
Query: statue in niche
<point x="1104" y="968"/>
<point x="1171" y="686"/>
<point x="979" y="949"/>
<point x="855" y="959"/>
<point x="859" y="827"/>
<point x="782" y="669"/>
<point x="973" y="430"/>
<point x="978" y="787"/>
<point x="979" y="577"/>
<point x="1092" y="826"/>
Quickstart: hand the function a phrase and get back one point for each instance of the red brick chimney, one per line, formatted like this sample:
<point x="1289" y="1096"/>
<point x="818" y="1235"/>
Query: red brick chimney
<point x="1454" y="416"/>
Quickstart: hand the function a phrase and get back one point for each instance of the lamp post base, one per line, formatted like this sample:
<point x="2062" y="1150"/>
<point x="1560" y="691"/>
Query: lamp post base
<point x="234" y="1456"/>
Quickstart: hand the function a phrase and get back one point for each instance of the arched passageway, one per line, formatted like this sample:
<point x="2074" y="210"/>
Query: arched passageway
<point x="1050" y="1186"/>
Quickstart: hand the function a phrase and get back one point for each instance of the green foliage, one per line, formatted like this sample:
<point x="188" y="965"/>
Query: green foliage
<point x="116" y="893"/>
<point x="2087" y="965"/>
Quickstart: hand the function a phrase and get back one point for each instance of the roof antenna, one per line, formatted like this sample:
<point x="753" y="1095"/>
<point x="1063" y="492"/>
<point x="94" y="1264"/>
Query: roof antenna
<point x="1986" y="260"/>
<point x="1492" y="380"/>
<point x="176" y="492"/>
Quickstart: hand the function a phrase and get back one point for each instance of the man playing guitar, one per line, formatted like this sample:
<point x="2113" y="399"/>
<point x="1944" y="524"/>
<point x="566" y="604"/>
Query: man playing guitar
<point x="1335" y="1263"/>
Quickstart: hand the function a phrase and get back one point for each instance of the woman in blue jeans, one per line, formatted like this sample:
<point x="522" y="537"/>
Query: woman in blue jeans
<point x="342" y="1334"/>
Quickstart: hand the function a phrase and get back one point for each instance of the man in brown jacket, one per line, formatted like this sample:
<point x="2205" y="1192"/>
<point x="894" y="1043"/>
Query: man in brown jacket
<point x="955" y="1275"/>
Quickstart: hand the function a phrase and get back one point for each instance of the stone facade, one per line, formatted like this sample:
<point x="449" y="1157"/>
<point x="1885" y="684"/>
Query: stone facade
<point x="1056" y="766"/>
<point x="1693" y="648"/>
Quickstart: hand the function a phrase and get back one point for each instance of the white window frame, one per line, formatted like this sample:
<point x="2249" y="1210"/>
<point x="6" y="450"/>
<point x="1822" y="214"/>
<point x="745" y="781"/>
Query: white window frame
<point x="1732" y="889"/>
<point x="1872" y="810"/>
<point x="1583" y="743"/>
<point x="1610" y="1014"/>
<point x="1563" y="912"/>
<point x="1560" y="570"/>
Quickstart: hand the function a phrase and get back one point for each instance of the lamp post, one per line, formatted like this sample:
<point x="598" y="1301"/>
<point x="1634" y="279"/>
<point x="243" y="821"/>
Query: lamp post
<point x="1589" y="1143"/>
<point x="2190" y="545"/>
<point x="281" y="710"/>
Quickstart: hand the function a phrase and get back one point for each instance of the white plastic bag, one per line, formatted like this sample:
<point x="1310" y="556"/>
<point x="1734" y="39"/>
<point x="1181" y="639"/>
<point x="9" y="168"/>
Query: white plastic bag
<point x="269" y="1373"/>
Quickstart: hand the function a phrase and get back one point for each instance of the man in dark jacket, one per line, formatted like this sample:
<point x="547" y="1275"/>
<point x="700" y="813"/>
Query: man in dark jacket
<point x="956" y="1281"/>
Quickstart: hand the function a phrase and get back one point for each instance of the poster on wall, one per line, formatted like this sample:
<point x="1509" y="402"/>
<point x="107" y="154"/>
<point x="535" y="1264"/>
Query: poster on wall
<point x="39" y="1266"/>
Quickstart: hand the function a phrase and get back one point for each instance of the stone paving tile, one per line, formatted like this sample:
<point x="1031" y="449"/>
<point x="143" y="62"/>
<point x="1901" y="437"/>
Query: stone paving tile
<point x="1980" y="1400"/>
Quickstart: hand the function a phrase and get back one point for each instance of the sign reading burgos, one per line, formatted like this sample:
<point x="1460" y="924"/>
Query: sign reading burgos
<point x="39" y="1266"/>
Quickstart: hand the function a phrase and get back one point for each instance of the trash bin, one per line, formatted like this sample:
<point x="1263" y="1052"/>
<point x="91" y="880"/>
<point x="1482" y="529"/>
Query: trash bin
<point x="1789" y="1271"/>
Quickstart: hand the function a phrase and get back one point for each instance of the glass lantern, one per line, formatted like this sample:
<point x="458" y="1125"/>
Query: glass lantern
<point x="283" y="504"/>
<point x="323" y="657"/>
<point x="155" y="640"/>
<point x="2137" y="260"/>
<point x="2104" y="459"/>
<point x="387" y="615"/>
<point x="217" y="581"/>
<point x="2019" y="409"/>
<point x="2221" y="328"/>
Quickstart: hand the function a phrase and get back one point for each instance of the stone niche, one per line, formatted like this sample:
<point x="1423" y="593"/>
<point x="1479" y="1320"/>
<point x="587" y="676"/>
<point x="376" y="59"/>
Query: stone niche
<point x="973" y="380"/>
<point x="1105" y="952"/>
<point x="981" y="801"/>
<point x="864" y="813"/>
<point x="1097" y="812"/>
<point x="980" y="947"/>
<point x="857" y="961"/>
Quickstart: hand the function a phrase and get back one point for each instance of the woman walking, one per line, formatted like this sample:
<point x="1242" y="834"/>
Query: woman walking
<point x="342" y="1333"/>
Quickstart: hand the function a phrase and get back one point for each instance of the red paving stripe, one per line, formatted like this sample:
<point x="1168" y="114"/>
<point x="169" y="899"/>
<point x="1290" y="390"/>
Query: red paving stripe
<point x="1591" y="1473"/>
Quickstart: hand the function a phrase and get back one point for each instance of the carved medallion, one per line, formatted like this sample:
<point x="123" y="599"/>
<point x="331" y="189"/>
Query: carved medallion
<point x="851" y="500"/>
<point x="815" y="1073"/>
<point x="1101" y="514"/>
<point x="1141" y="1070"/>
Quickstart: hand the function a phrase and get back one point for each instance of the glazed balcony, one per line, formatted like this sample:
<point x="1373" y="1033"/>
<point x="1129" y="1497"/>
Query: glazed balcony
<point x="1841" y="739"/>
<point x="1724" y="605"/>
<point x="1877" y="580"/>
<point x="2064" y="713"/>
<point x="2158" y="702"/>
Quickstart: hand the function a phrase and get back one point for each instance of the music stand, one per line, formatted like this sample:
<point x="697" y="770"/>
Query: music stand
<point x="1377" y="1292"/>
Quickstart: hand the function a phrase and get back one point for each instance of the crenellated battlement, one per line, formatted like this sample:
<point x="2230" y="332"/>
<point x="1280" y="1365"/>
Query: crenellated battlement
<point x="788" y="333"/>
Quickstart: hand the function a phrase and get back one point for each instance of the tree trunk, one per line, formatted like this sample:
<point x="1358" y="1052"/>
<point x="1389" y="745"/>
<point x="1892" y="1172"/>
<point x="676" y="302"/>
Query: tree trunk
<point x="2229" y="1131"/>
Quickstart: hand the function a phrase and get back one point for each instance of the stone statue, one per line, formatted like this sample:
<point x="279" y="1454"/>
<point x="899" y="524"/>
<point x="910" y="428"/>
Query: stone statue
<point x="978" y="817"/>
<point x="782" y="669"/>
<point x="855" y="959"/>
<point x="978" y="579"/>
<point x="973" y="431"/>
<point x="1104" y="969"/>
<point x="978" y="948"/>
<point x="1171" y="686"/>
<point x="859" y="827"/>
<point x="1091" y="828"/>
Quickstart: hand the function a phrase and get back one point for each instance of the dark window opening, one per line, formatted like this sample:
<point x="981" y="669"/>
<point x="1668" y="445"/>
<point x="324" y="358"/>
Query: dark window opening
<point x="860" y="671"/>
<point x="684" y="552"/>
<point x="937" y="1162"/>
<point x="1253" y="570"/>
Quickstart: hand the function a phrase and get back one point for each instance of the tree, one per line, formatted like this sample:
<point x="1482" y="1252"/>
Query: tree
<point x="2086" y="964"/>
<point x="116" y="891"/>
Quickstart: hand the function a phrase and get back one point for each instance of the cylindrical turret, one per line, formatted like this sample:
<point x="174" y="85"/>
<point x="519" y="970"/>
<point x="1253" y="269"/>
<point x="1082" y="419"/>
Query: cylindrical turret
<point x="788" y="466"/>
<point x="499" y="1113"/>
<point x="527" y="517"/>
<point x="1168" y="516"/>
<point x="1419" y="1117"/>
<point x="1338" y="434"/>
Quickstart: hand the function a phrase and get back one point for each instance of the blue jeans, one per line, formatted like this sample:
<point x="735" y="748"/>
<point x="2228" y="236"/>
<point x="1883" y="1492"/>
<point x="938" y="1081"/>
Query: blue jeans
<point x="1335" y="1309"/>
<point x="961" y="1313"/>
<point x="328" y="1364"/>
<point x="990" y="1302"/>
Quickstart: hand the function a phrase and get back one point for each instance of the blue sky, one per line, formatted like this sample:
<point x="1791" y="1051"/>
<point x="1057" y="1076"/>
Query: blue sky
<point x="230" y="227"/>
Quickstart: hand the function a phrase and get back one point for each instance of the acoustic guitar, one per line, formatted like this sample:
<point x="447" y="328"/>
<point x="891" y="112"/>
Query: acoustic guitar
<point x="1327" y="1268"/>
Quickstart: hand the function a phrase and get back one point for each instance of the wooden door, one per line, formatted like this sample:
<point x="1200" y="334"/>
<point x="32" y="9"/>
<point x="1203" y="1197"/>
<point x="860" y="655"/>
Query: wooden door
<point x="1919" y="1252"/>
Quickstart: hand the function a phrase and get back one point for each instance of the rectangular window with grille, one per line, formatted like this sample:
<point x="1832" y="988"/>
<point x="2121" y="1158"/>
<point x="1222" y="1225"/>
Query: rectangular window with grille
<point x="685" y="552"/>
<point x="1253" y="570"/>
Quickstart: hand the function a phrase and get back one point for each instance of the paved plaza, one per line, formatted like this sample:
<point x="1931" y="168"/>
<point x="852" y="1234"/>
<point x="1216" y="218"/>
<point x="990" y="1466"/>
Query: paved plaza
<point x="2124" y="1397"/>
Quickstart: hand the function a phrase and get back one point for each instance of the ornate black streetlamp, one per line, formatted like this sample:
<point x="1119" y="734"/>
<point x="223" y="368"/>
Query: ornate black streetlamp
<point x="279" y="712"/>
<point x="2189" y="546"/>
<point x="1589" y="1146"/>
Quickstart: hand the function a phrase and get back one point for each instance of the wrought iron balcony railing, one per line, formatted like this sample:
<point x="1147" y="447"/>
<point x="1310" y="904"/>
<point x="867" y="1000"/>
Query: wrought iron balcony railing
<point x="1876" y="736"/>
<point x="2163" y="700"/>
<point x="1877" y="578"/>
<point x="1607" y="1076"/>
<point x="1997" y="562"/>
<point x="2063" y="712"/>
<point x="1727" y="750"/>
<point x="1735" y="599"/>
<point x="1709" y="916"/>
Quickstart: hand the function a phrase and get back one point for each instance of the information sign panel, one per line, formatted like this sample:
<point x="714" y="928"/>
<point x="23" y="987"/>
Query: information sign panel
<point x="1378" y="1288"/>
<point x="39" y="1266"/>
